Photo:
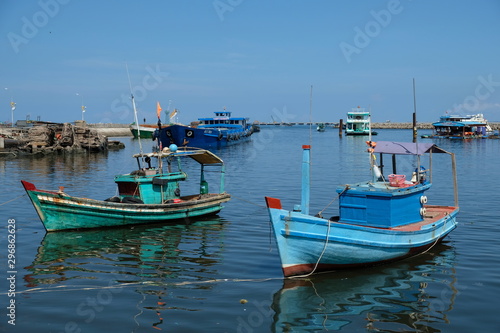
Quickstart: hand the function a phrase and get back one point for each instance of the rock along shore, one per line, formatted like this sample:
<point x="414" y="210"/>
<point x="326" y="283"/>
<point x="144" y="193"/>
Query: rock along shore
<point x="48" y="138"/>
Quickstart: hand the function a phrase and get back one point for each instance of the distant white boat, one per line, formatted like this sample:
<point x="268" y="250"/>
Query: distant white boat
<point x="358" y="122"/>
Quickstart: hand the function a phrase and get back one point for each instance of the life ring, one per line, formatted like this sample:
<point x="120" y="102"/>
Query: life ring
<point x="169" y="133"/>
<point x="423" y="211"/>
<point x="189" y="133"/>
<point x="177" y="192"/>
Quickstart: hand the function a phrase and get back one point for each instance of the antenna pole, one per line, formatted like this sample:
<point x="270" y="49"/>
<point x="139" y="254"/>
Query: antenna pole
<point x="135" y="111"/>
<point x="310" y="115"/>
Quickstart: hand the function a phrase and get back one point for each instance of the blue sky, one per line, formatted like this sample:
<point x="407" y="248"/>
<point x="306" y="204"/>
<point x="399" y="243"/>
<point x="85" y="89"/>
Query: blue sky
<point x="257" y="58"/>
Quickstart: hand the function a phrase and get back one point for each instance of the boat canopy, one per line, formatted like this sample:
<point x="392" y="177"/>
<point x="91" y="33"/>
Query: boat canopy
<point x="406" y="148"/>
<point x="199" y="155"/>
<point x="457" y="124"/>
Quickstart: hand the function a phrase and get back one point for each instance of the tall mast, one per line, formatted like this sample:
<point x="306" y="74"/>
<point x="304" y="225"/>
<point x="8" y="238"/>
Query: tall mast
<point x="135" y="111"/>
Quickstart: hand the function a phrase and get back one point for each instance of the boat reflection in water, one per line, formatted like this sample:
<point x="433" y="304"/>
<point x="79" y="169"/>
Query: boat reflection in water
<point x="414" y="295"/>
<point x="129" y="255"/>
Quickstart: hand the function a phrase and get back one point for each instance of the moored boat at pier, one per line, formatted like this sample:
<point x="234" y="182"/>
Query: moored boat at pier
<point x="215" y="132"/>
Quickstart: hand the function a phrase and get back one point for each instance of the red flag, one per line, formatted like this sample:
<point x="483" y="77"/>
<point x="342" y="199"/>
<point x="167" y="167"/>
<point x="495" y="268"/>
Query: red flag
<point x="158" y="110"/>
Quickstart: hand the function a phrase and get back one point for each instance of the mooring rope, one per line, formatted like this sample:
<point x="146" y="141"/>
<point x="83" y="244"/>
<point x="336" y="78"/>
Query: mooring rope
<point x="435" y="242"/>
<point x="6" y="202"/>
<point x="64" y="288"/>
<point x="320" y="256"/>
<point x="247" y="201"/>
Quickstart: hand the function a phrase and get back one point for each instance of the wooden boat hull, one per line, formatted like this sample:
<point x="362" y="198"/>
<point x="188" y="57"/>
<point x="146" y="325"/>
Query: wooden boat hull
<point x="59" y="211"/>
<point x="302" y="239"/>
<point x="146" y="132"/>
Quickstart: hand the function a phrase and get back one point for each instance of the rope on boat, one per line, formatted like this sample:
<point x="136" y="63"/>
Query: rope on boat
<point x="333" y="200"/>
<point x="435" y="242"/>
<point x="6" y="202"/>
<point x="320" y="256"/>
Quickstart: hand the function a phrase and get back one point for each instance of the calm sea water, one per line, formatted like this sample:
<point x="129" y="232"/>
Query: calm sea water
<point x="192" y="276"/>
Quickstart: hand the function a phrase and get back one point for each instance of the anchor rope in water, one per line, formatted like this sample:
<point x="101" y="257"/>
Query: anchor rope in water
<point x="130" y="284"/>
<point x="247" y="201"/>
<point x="6" y="202"/>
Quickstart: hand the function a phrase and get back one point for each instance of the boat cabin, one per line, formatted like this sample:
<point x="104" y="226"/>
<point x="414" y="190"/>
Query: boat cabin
<point x="223" y="119"/>
<point x="358" y="121"/>
<point x="391" y="201"/>
<point x="159" y="183"/>
<point x="456" y="126"/>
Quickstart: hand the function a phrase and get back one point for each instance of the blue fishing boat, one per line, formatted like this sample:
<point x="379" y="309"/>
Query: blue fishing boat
<point x="380" y="220"/>
<point x="460" y="127"/>
<point x="216" y="132"/>
<point x="150" y="194"/>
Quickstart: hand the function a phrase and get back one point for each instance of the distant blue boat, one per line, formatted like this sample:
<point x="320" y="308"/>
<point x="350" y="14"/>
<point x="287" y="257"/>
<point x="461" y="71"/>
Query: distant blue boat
<point x="217" y="132"/>
<point x="379" y="221"/>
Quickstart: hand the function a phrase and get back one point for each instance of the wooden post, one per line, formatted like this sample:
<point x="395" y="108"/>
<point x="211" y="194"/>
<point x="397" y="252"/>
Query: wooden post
<point x="341" y="126"/>
<point x="414" y="113"/>
<point x="415" y="127"/>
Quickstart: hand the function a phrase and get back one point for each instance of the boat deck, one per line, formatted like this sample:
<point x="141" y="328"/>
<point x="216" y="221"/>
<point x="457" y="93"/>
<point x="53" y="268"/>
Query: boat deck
<point x="432" y="215"/>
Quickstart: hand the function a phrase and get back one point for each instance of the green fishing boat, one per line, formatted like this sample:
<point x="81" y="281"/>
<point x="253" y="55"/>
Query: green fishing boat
<point x="150" y="194"/>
